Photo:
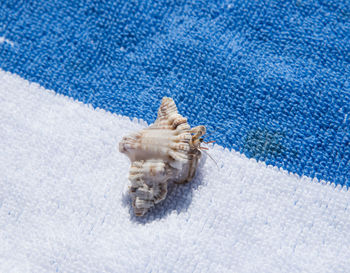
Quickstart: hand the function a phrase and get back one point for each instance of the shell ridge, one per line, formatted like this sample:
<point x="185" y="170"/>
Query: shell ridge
<point x="167" y="151"/>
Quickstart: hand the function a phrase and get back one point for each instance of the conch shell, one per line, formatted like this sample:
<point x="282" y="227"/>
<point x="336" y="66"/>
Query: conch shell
<point x="167" y="151"/>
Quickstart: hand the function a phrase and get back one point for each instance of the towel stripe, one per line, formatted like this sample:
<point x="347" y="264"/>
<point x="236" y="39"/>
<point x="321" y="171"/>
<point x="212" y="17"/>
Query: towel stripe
<point x="268" y="78"/>
<point x="64" y="207"/>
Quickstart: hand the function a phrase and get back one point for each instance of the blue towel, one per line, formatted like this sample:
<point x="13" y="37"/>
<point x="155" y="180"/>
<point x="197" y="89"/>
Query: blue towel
<point x="269" y="79"/>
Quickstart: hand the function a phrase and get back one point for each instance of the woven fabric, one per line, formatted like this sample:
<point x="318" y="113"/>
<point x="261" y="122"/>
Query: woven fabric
<point x="270" y="79"/>
<point x="65" y="205"/>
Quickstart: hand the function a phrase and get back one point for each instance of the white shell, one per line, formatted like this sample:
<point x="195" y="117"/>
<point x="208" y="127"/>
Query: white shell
<point x="168" y="150"/>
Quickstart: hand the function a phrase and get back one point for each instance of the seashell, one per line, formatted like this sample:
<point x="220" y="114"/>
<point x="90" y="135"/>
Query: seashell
<point x="167" y="151"/>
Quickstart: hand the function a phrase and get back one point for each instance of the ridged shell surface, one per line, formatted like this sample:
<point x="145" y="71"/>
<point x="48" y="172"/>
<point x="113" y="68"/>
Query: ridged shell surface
<point x="167" y="151"/>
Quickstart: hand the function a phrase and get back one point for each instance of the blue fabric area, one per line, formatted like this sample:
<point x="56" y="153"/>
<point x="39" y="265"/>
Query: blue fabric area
<point x="269" y="78"/>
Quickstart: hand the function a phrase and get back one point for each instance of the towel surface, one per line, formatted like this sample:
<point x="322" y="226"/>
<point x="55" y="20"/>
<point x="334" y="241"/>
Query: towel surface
<point x="269" y="79"/>
<point x="64" y="206"/>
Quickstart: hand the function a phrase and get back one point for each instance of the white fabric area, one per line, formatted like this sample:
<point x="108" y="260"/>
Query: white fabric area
<point x="64" y="206"/>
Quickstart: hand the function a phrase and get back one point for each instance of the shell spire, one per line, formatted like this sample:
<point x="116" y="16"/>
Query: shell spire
<point x="167" y="151"/>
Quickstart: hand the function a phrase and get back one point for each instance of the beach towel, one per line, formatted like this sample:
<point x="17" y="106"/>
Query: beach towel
<point x="268" y="79"/>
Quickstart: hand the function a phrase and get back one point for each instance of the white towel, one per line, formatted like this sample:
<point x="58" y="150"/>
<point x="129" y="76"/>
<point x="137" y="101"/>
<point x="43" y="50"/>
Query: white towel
<point x="64" y="205"/>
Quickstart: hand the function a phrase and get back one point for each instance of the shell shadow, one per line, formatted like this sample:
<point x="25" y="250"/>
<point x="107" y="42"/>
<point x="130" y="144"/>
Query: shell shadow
<point x="178" y="199"/>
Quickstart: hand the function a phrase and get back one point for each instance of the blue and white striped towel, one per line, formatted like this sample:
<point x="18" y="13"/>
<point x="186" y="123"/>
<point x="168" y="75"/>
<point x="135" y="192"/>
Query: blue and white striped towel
<point x="269" y="79"/>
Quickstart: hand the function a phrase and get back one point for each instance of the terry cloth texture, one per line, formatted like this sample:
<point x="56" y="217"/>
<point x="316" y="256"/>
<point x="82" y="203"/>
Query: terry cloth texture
<point x="64" y="206"/>
<point x="269" y="79"/>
